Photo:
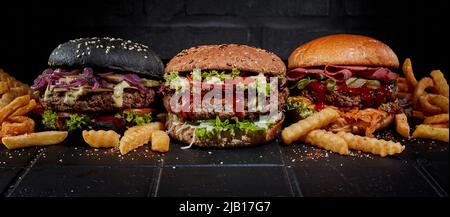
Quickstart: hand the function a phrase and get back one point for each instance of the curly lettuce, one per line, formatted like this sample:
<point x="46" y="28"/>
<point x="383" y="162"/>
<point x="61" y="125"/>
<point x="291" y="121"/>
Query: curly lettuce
<point x="49" y="119"/>
<point x="220" y="75"/>
<point x="76" y="122"/>
<point x="135" y="118"/>
<point x="209" y="128"/>
<point x="303" y="109"/>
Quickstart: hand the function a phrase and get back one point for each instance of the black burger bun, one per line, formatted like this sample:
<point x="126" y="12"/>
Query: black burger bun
<point x="109" y="53"/>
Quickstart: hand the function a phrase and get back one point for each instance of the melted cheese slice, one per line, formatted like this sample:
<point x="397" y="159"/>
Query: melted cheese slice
<point x="118" y="93"/>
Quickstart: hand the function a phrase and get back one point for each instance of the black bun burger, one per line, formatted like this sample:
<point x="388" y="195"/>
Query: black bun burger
<point x="214" y="64"/>
<point x="351" y="72"/>
<point x="98" y="83"/>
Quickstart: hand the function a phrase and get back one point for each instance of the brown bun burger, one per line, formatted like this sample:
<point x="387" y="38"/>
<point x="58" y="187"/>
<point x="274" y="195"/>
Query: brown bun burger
<point x="214" y="63"/>
<point x="351" y="72"/>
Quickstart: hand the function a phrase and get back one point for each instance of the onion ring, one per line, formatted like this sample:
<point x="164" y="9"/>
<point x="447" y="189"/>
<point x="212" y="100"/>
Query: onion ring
<point x="17" y="125"/>
<point x="427" y="107"/>
<point x="419" y="91"/>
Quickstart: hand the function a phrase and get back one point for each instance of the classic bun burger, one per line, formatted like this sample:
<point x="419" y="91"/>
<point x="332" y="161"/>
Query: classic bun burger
<point x="351" y="72"/>
<point x="213" y="64"/>
<point x="100" y="83"/>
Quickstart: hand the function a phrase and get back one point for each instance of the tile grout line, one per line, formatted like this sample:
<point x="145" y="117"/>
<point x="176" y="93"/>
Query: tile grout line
<point x="18" y="179"/>
<point x="430" y="180"/>
<point x="155" y="186"/>
<point x="158" y="180"/>
<point x="290" y="176"/>
<point x="222" y="165"/>
<point x="286" y="173"/>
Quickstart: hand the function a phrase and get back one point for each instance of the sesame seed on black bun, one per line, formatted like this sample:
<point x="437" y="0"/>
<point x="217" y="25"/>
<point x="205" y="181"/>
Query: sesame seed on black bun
<point x="109" y="53"/>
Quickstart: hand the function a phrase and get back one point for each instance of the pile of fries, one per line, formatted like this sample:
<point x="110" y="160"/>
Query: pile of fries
<point x="133" y="138"/>
<point x="10" y="88"/>
<point x="12" y="119"/>
<point x="15" y="103"/>
<point x="310" y="130"/>
<point x="429" y="98"/>
<point x="16" y="129"/>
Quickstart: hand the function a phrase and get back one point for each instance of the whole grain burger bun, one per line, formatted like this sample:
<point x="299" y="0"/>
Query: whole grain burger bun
<point x="185" y="134"/>
<point x="109" y="53"/>
<point x="343" y="49"/>
<point x="227" y="57"/>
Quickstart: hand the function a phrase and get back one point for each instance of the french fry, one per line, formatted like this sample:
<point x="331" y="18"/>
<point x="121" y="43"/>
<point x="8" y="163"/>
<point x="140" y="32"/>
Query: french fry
<point x="13" y="106"/>
<point x="430" y="132"/>
<point x="428" y="108"/>
<point x="10" y="88"/>
<point x="101" y="138"/>
<point x="436" y="119"/>
<point x="401" y="80"/>
<point x="371" y="145"/>
<point x="303" y="127"/>
<point x="403" y="87"/>
<point x="4" y="87"/>
<point x="34" y="139"/>
<point x="418" y="115"/>
<point x="401" y="125"/>
<point x="137" y="136"/>
<point x="17" y="125"/>
<point x="409" y="74"/>
<point x="440" y="125"/>
<point x="24" y="109"/>
<point x="7" y="98"/>
<point x="149" y="126"/>
<point x="403" y="95"/>
<point x="160" y="141"/>
<point x="133" y="140"/>
<point x="423" y="84"/>
<point x="440" y="101"/>
<point x="441" y="83"/>
<point x="328" y="141"/>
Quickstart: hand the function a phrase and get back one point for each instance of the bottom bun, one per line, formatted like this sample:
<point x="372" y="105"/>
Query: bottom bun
<point x="185" y="134"/>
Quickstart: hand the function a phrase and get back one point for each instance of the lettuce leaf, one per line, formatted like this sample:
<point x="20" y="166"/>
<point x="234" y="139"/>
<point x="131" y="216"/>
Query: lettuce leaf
<point x="169" y="77"/>
<point x="304" y="110"/>
<point x="213" y="127"/>
<point x="135" y="118"/>
<point x="77" y="121"/>
<point x="221" y="75"/>
<point x="49" y="119"/>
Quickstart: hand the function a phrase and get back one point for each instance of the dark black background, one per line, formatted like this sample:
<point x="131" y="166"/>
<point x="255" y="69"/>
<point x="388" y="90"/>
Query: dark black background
<point x="31" y="29"/>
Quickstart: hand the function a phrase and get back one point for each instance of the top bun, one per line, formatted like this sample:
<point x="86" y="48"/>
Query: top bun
<point x="110" y="53"/>
<point x="227" y="57"/>
<point x="343" y="49"/>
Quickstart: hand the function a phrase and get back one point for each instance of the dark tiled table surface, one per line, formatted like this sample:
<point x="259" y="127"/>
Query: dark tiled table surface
<point x="266" y="170"/>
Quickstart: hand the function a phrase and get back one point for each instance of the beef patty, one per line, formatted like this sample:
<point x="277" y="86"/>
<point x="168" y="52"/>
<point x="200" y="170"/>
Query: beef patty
<point x="98" y="102"/>
<point x="204" y="114"/>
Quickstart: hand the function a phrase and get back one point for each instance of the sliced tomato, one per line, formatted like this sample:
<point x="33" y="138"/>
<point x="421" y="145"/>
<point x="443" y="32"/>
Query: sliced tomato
<point x="38" y="109"/>
<point x="141" y="110"/>
<point x="320" y="106"/>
